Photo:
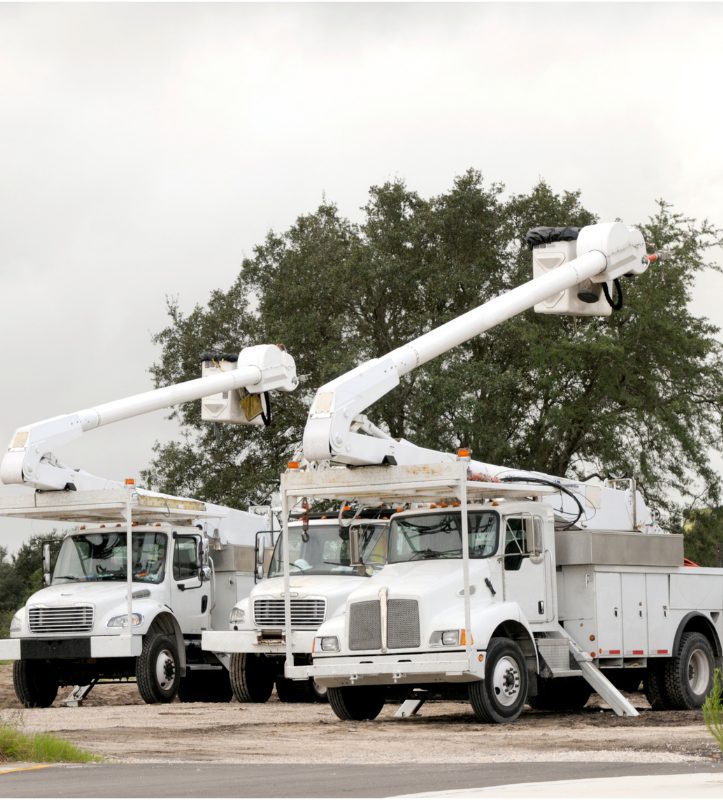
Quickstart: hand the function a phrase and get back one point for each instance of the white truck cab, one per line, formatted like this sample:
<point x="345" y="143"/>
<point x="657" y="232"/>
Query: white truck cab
<point x="190" y="562"/>
<point x="322" y="577"/>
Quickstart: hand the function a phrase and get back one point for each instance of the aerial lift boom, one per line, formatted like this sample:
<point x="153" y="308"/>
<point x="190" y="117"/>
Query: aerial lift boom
<point x="30" y="461"/>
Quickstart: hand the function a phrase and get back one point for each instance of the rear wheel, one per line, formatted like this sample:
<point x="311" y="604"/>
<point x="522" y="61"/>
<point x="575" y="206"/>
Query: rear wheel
<point x="654" y="686"/>
<point x="501" y="696"/>
<point x="561" y="694"/>
<point x="356" y="702"/>
<point x="35" y="682"/>
<point x="205" y="686"/>
<point x="158" y="669"/>
<point x="688" y="676"/>
<point x="252" y="677"/>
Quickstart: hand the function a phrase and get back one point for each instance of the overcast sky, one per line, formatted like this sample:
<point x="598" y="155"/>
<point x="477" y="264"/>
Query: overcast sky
<point x="144" y="150"/>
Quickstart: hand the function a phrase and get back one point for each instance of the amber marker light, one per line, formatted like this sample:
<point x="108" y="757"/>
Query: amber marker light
<point x="463" y="452"/>
<point x="130" y="482"/>
<point x="293" y="465"/>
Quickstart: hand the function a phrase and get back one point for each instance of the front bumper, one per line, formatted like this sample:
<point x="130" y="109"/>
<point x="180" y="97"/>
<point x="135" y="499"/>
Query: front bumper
<point x="69" y="647"/>
<point x="262" y="643"/>
<point x="446" y="667"/>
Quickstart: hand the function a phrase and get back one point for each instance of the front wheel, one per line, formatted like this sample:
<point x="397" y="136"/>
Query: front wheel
<point x="35" y="682"/>
<point x="356" y="702"/>
<point x="502" y="694"/>
<point x="252" y="677"/>
<point x="157" y="669"/>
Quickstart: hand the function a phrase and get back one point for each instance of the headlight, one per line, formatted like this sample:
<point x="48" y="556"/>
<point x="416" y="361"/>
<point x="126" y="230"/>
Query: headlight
<point x="447" y="638"/>
<point x="17" y="623"/>
<point x="329" y="644"/>
<point x="237" y="615"/>
<point x="122" y="620"/>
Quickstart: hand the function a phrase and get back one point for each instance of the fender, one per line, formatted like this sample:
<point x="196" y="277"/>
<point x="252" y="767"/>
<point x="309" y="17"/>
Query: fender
<point x="704" y="626"/>
<point x="166" y="623"/>
<point x="504" y="619"/>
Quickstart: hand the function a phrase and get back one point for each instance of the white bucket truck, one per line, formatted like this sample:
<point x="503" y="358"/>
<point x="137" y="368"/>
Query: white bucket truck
<point x="190" y="562"/>
<point x="105" y="615"/>
<point x="322" y="577"/>
<point x="523" y="585"/>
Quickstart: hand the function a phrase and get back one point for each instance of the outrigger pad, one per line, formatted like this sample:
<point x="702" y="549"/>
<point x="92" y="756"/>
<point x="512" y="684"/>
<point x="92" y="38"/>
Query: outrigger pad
<point x="537" y="236"/>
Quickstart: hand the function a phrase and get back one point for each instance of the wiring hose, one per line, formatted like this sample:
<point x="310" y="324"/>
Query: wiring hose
<point x="266" y="415"/>
<point x="616" y="304"/>
<point x="547" y="482"/>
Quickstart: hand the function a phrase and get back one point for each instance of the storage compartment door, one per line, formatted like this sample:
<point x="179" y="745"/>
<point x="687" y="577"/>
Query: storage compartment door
<point x="608" y="608"/>
<point x="635" y="615"/>
<point x="660" y="629"/>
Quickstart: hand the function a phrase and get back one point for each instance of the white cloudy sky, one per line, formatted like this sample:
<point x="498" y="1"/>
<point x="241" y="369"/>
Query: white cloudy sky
<point x="144" y="150"/>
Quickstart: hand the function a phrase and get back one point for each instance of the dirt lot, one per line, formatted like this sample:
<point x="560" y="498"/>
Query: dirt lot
<point x="115" y="724"/>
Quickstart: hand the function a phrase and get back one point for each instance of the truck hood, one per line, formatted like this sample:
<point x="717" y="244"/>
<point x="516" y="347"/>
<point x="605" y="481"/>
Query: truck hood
<point x="93" y="592"/>
<point x="415" y="578"/>
<point x="335" y="588"/>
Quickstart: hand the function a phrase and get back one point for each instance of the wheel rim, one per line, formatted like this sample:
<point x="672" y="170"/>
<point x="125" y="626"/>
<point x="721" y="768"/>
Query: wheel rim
<point x="321" y="691"/>
<point x="165" y="669"/>
<point x="698" y="672"/>
<point x="506" y="681"/>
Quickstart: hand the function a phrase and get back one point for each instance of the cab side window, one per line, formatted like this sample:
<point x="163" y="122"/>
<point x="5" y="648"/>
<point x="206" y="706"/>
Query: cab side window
<point x="185" y="558"/>
<point x="515" y="542"/>
<point x="523" y="538"/>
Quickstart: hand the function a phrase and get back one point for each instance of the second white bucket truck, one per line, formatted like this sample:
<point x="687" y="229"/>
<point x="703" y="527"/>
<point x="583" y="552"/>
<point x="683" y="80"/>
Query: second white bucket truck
<point x="517" y="586"/>
<point x="141" y="574"/>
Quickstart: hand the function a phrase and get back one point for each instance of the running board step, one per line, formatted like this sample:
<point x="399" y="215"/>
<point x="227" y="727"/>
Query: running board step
<point x="609" y="693"/>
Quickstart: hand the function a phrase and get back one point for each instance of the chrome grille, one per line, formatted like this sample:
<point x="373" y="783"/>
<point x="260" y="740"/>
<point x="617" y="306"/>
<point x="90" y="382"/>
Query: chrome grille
<point x="365" y="627"/>
<point x="402" y="623"/>
<point x="305" y="613"/>
<point x="66" y="619"/>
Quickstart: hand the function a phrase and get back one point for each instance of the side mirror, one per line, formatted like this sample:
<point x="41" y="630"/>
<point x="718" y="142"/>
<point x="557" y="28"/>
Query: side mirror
<point x="259" y="555"/>
<point x="354" y="554"/>
<point x="204" y="573"/>
<point x="46" y="564"/>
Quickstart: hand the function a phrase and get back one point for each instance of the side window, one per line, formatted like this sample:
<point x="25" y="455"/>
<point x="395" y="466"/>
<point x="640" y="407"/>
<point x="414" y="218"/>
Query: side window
<point x="516" y="542"/>
<point x="185" y="558"/>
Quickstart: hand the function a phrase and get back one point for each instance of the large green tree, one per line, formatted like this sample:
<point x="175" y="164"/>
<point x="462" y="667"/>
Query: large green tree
<point x="638" y="394"/>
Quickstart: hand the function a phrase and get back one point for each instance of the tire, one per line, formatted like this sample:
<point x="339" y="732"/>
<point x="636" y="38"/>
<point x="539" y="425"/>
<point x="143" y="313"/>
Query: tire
<point x="688" y="676"/>
<point x="35" y="682"/>
<point x="356" y="702"/>
<point x="299" y="691"/>
<point x="205" y="686"/>
<point x="501" y="696"/>
<point x="252" y="677"/>
<point x="560" y="694"/>
<point x="654" y="686"/>
<point x="158" y="671"/>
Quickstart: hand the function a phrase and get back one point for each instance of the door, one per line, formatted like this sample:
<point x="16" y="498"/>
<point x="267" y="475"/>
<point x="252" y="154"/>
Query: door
<point x="190" y="596"/>
<point x="635" y="615"/>
<point x="524" y="566"/>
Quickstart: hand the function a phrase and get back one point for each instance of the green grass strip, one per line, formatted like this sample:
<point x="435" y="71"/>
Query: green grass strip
<point x="41" y="747"/>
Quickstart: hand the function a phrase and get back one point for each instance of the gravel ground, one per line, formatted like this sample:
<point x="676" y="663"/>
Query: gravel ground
<point x="114" y="723"/>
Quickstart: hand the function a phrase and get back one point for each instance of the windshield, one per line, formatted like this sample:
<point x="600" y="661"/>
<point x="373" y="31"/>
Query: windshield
<point x="439" y="536"/>
<point x="326" y="550"/>
<point x="101" y="556"/>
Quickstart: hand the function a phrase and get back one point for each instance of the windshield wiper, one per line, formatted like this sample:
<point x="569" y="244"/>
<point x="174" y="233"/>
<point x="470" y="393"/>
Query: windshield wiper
<point x="68" y="578"/>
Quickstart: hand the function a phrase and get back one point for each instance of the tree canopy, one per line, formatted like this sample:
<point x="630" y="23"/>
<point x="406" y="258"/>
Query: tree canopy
<point x="638" y="394"/>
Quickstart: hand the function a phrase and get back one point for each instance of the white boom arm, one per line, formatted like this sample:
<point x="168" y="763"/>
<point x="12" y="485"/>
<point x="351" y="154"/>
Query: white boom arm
<point x="337" y="431"/>
<point x="29" y="459"/>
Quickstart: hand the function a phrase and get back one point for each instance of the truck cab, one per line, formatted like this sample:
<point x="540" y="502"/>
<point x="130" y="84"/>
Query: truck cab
<point x="322" y="577"/>
<point x="189" y="563"/>
<point x="406" y="626"/>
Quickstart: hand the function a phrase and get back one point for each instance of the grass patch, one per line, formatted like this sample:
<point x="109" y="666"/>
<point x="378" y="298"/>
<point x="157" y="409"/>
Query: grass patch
<point x="18" y="746"/>
<point x="713" y="710"/>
